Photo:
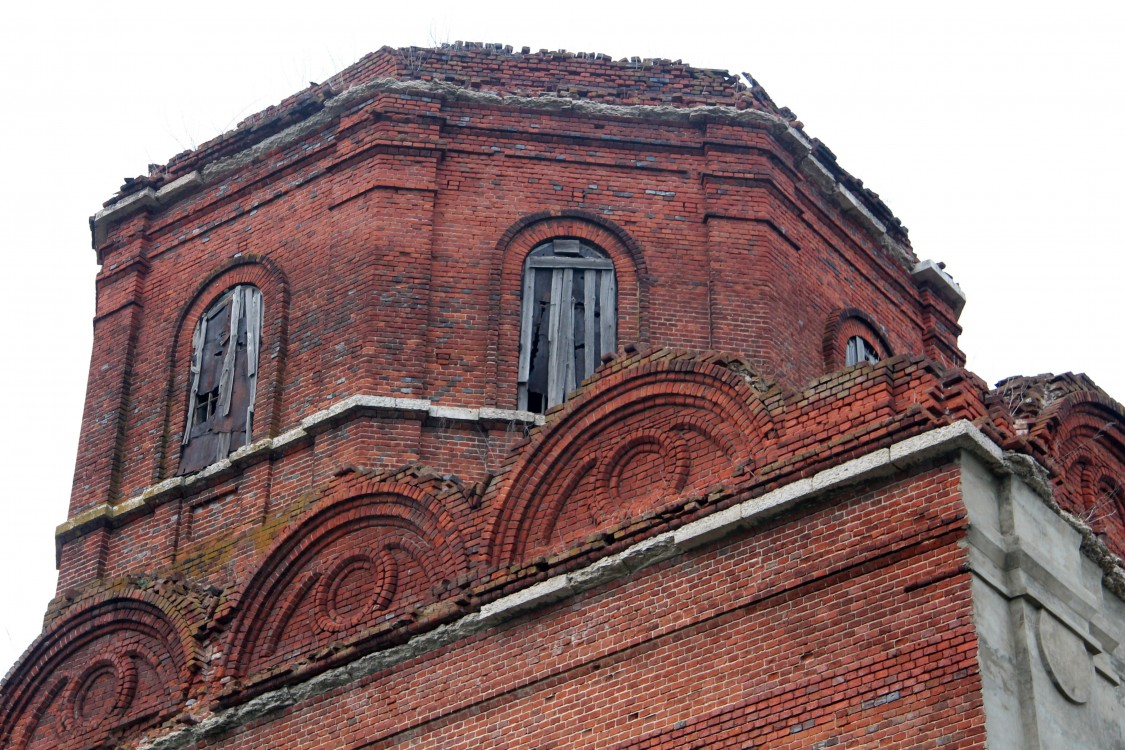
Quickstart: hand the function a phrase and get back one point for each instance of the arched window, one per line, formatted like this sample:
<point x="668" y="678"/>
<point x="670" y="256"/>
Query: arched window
<point x="860" y="350"/>
<point x="224" y="377"/>
<point x="852" y="337"/>
<point x="569" y="319"/>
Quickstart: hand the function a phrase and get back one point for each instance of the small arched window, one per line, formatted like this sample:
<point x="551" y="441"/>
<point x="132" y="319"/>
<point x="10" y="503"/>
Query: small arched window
<point x="860" y="350"/>
<point x="569" y="319"/>
<point x="224" y="377"/>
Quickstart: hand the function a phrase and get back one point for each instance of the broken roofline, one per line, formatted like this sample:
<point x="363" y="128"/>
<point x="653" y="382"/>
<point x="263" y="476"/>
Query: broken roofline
<point x="408" y="63"/>
<point x="293" y="115"/>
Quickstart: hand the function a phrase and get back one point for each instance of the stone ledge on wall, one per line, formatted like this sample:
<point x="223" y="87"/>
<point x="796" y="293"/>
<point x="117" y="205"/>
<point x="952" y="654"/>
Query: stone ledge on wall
<point x="982" y="461"/>
<point x="345" y="410"/>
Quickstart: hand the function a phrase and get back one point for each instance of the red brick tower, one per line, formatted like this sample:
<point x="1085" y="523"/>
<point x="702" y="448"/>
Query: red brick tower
<point x="480" y="398"/>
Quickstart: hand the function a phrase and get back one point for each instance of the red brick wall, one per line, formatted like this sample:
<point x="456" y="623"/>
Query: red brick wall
<point x="389" y="257"/>
<point x="849" y="625"/>
<point x="388" y="243"/>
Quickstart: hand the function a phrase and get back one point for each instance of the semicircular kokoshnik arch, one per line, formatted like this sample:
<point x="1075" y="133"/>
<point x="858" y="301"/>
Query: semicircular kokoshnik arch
<point x="123" y="662"/>
<point x="1085" y="433"/>
<point x="629" y="442"/>
<point x="375" y="549"/>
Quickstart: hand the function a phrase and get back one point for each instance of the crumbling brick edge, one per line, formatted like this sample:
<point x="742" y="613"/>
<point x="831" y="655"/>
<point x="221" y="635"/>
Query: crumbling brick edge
<point x="959" y="436"/>
<point x="791" y="139"/>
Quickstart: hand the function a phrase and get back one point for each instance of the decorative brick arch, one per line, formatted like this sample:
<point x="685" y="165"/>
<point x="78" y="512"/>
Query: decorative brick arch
<point x="122" y="662"/>
<point x="511" y="250"/>
<point x="262" y="273"/>
<point x="1084" y="433"/>
<point x="844" y="323"/>
<point x="630" y="442"/>
<point x="372" y="552"/>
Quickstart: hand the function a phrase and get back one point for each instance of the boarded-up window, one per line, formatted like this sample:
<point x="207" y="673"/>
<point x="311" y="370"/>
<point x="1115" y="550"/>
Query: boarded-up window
<point x="569" y="320"/>
<point x="224" y="377"/>
<point x="860" y="350"/>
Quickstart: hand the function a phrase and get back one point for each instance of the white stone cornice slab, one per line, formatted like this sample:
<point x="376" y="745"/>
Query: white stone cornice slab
<point x="342" y="411"/>
<point x="932" y="273"/>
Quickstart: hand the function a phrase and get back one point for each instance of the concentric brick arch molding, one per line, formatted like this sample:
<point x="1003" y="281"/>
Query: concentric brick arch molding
<point x="121" y="663"/>
<point x="511" y="251"/>
<point x="368" y="555"/>
<point x="632" y="441"/>
<point x="274" y="285"/>
<point x="1085" y="435"/>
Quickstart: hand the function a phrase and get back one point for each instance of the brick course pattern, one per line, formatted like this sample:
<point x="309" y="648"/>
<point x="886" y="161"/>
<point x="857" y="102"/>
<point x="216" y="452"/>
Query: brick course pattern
<point x="390" y="489"/>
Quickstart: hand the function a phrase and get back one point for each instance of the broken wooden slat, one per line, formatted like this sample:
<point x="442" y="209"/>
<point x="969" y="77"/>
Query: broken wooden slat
<point x="253" y="305"/>
<point x="528" y="307"/>
<point x="197" y="340"/>
<point x="566" y="345"/>
<point x="590" y="309"/>
<point x="607" y="302"/>
<point x="554" y="387"/>
<point x="226" y="381"/>
<point x="540" y="342"/>
<point x="601" y="264"/>
<point x="253" y="342"/>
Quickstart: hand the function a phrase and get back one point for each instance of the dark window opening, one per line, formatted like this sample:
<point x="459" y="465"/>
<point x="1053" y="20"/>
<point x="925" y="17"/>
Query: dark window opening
<point x="569" y="319"/>
<point x="860" y="350"/>
<point x="224" y="374"/>
<point x="205" y="404"/>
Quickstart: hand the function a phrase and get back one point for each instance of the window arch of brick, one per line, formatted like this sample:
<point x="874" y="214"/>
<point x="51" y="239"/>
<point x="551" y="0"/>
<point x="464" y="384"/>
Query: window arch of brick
<point x="845" y="325"/>
<point x="271" y="283"/>
<point x="512" y="251"/>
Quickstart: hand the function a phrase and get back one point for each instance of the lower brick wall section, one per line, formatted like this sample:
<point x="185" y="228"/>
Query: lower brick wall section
<point x="846" y="625"/>
<point x="768" y="675"/>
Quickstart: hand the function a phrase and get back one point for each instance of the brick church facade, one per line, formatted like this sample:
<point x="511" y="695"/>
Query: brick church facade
<point x="490" y="398"/>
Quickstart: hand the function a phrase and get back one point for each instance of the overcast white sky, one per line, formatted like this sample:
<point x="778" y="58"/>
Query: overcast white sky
<point x="990" y="128"/>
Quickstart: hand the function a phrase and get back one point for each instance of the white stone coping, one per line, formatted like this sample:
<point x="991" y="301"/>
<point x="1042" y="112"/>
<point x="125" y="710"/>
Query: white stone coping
<point x="344" y="410"/>
<point x="139" y="201"/>
<point x="931" y="272"/>
<point x="962" y="435"/>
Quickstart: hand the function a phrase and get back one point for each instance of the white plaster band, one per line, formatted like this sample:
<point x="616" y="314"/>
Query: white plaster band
<point x="345" y="410"/>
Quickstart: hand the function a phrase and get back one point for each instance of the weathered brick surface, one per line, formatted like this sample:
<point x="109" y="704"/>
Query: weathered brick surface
<point x="820" y="628"/>
<point x="426" y="226"/>
<point x="386" y="226"/>
<point x="1077" y="432"/>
